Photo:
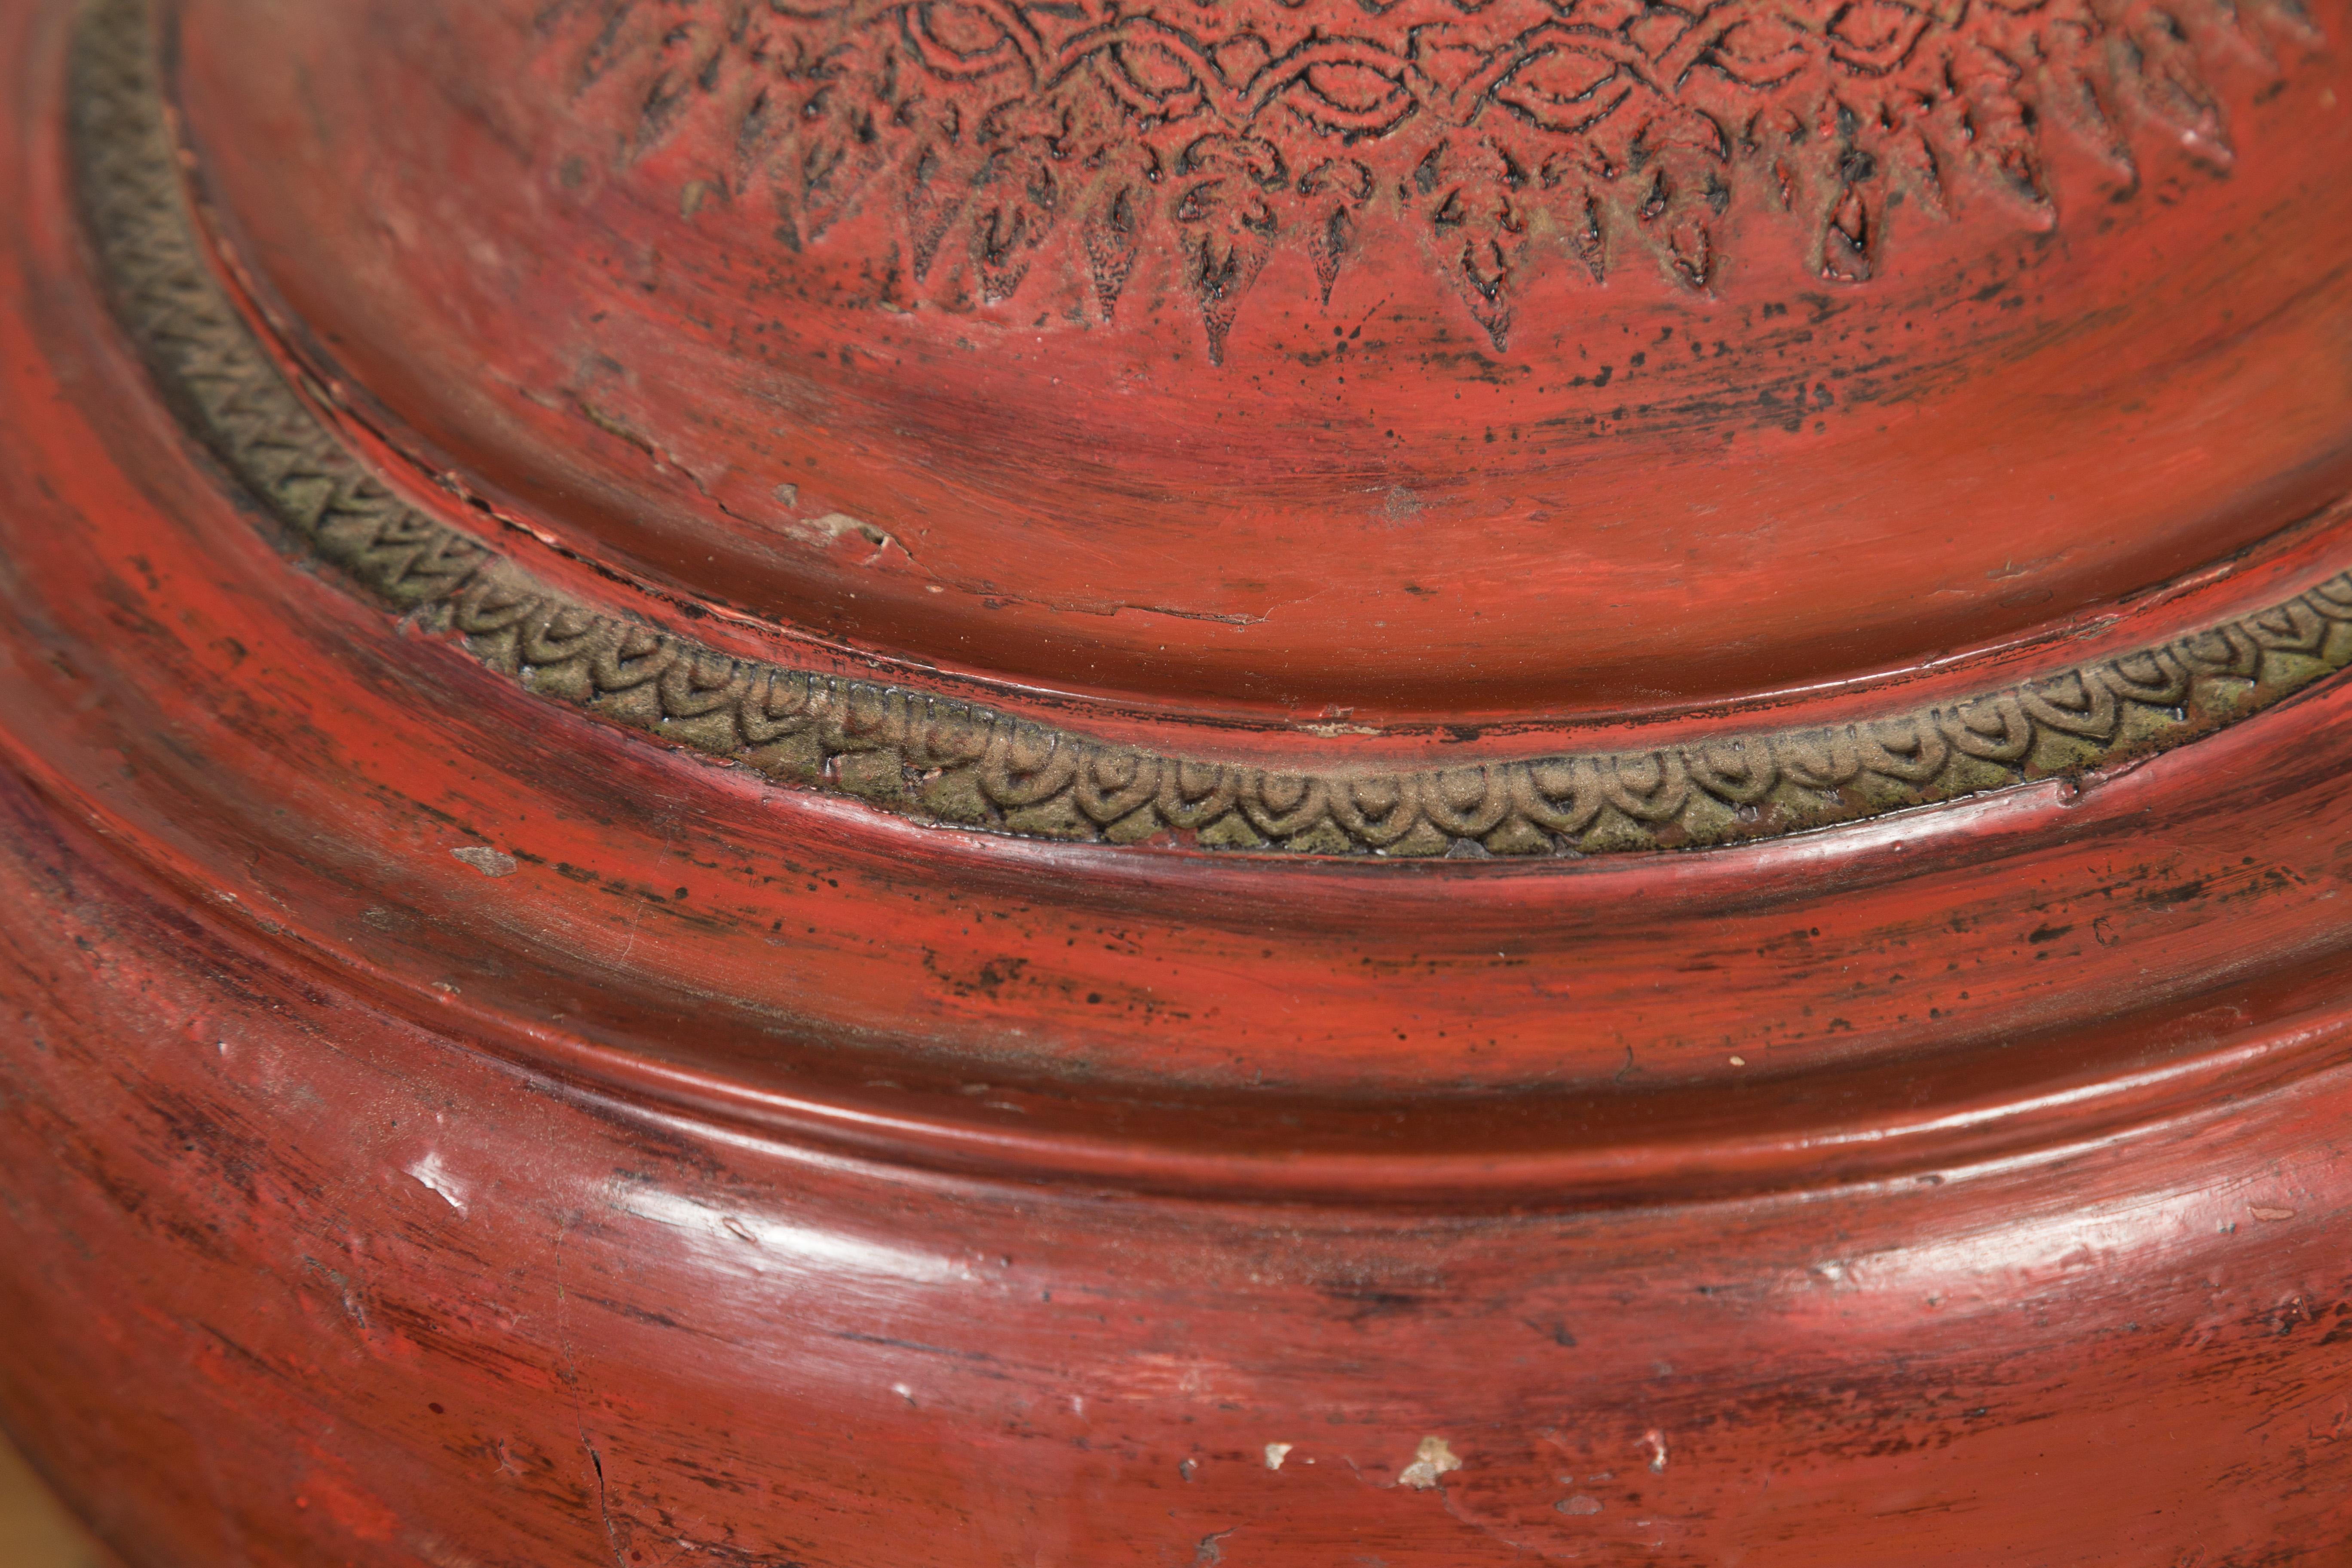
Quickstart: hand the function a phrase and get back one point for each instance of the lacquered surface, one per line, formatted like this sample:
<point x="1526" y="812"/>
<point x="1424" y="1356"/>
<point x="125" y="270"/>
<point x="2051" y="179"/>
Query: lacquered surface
<point x="1649" y="493"/>
<point x="390" y="1302"/>
<point x="706" y="1167"/>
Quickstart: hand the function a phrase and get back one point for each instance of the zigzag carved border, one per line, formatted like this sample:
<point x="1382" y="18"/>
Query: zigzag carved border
<point x="961" y="765"/>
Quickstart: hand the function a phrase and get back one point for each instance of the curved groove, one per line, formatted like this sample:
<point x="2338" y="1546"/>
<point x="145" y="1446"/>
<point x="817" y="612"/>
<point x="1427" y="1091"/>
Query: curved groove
<point x="959" y="764"/>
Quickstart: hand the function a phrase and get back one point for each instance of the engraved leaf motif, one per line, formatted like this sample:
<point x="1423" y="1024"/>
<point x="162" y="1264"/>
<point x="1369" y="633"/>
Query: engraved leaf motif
<point x="1567" y="89"/>
<point x="1351" y="87"/>
<point x="1158" y="74"/>
<point x="960" y="41"/>
<point x="1514" y="135"/>
<point x="1875" y="38"/>
<point x="1761" y="52"/>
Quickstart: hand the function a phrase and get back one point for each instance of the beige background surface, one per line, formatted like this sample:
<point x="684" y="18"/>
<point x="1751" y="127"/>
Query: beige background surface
<point x="34" y="1531"/>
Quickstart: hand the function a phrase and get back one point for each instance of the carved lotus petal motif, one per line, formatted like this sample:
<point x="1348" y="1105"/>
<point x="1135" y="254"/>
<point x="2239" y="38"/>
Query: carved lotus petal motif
<point x="2154" y="679"/>
<point x="1351" y="92"/>
<point x="1351" y="86"/>
<point x="961" y="42"/>
<point x="1155" y="70"/>
<point x="1450" y="63"/>
<point x="2221" y="650"/>
<point x="1875" y="36"/>
<point x="2292" y="627"/>
<point x="1761" y="51"/>
<point x="1604" y="15"/>
<point x="1239" y="60"/>
<point x="1843" y="111"/>
<point x="1825" y="760"/>
<point x="1733" y="771"/>
<point x="2076" y="703"/>
<point x="1657" y="30"/>
<point x="1567" y="88"/>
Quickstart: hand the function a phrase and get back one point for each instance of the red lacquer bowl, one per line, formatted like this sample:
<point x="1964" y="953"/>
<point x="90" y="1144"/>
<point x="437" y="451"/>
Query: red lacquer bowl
<point x="1270" y="784"/>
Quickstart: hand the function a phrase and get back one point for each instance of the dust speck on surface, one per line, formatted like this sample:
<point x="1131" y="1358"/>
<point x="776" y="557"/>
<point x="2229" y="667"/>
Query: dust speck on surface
<point x="1275" y="1454"/>
<point x="1431" y="1460"/>
<point x="1580" y="1504"/>
<point x="489" y="862"/>
<point x="1656" y="1442"/>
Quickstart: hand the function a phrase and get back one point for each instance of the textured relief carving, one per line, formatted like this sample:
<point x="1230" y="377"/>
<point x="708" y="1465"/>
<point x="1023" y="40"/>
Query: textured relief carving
<point x="972" y="145"/>
<point x="954" y="763"/>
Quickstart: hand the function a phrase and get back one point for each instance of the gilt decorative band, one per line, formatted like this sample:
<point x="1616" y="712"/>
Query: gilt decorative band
<point x="958" y="765"/>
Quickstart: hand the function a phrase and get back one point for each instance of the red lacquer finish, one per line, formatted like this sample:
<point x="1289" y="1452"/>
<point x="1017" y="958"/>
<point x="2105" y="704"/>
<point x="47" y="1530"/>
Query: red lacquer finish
<point x="1061" y="784"/>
